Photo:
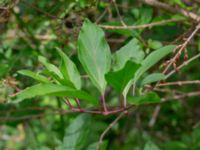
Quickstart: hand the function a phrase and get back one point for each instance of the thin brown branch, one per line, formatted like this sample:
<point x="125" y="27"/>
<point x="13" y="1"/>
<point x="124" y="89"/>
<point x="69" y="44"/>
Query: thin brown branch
<point x="178" y="97"/>
<point x="118" y="13"/>
<point x="183" y="65"/>
<point x="183" y="46"/>
<point x="39" y="10"/>
<point x="159" y="23"/>
<point x="108" y="128"/>
<point x="162" y="5"/>
<point x="163" y="100"/>
<point x="179" y="83"/>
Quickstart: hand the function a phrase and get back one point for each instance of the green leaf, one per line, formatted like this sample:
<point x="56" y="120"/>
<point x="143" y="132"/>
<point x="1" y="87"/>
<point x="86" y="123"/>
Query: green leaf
<point x="76" y="135"/>
<point x="131" y="50"/>
<point x="52" y="69"/>
<point x="94" y="54"/>
<point x="153" y="78"/>
<point x="54" y="90"/>
<point x="150" y="146"/>
<point x="148" y="98"/>
<point x="95" y="145"/>
<point x="119" y="79"/>
<point x="146" y="14"/>
<point x="69" y="70"/>
<point x="34" y="75"/>
<point x="4" y="70"/>
<point x="148" y="62"/>
<point x="154" y="44"/>
<point x="152" y="59"/>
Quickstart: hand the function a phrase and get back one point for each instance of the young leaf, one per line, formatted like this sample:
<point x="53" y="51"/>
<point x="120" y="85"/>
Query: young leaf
<point x="54" y="90"/>
<point x="153" y="78"/>
<point x="152" y="59"/>
<point x="76" y="134"/>
<point x="52" y="69"/>
<point x="119" y="79"/>
<point x="131" y="50"/>
<point x="69" y="70"/>
<point x="34" y="75"/>
<point x="94" y="54"/>
<point x="148" y="98"/>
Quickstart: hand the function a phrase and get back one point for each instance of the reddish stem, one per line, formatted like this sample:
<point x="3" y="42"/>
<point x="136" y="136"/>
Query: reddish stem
<point x="103" y="103"/>
<point x="87" y="111"/>
<point x="78" y="104"/>
<point x="68" y="103"/>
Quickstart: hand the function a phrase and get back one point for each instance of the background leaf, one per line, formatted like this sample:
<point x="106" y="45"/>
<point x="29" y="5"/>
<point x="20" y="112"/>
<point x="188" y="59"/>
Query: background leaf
<point x="150" y="146"/>
<point x="94" y="146"/>
<point x="77" y="133"/>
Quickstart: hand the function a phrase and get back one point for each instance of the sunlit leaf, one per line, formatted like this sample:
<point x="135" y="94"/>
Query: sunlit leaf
<point x="94" y="54"/>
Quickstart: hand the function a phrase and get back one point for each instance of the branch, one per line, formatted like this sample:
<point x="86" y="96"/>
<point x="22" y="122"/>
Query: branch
<point x="163" y="22"/>
<point x="183" y="46"/>
<point x="176" y="97"/>
<point x="172" y="9"/>
<point x="108" y="128"/>
<point x="182" y="65"/>
<point x="179" y="83"/>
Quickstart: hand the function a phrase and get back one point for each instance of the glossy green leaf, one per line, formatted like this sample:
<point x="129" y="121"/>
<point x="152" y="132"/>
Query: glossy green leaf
<point x="148" y="98"/>
<point x="35" y="76"/>
<point x="153" y="78"/>
<point x="152" y="59"/>
<point x="119" y="79"/>
<point x="69" y="70"/>
<point x="131" y="50"/>
<point x="94" y="54"/>
<point x="54" y="90"/>
<point x="76" y="134"/>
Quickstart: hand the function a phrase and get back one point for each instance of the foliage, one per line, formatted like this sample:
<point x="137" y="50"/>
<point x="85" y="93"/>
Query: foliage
<point x="86" y="75"/>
